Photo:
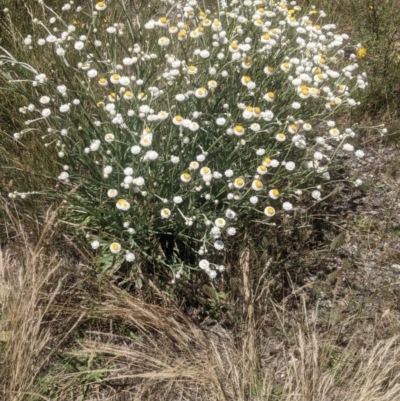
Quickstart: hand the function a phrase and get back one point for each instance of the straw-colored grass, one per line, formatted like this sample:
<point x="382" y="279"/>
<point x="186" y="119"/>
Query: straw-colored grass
<point x="67" y="335"/>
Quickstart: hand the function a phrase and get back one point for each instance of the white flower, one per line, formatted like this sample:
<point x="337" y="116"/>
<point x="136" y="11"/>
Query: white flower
<point x="46" y="112"/>
<point x="63" y="176"/>
<point x="112" y="193"/>
<point x="163" y="41"/>
<point x="115" y="247"/>
<point x="348" y="147"/>
<point x="231" y="230"/>
<point x="290" y="166"/>
<point x="177" y="199"/>
<point x="287" y="206"/>
<point x="316" y="194"/>
<point x="269" y="211"/>
<point x="228" y="173"/>
<point x="64" y="108"/>
<point x="359" y="153"/>
<point x="135" y="149"/>
<point x="219" y="245"/>
<point x="95" y="145"/>
<point x="175" y="159"/>
<point x="220" y="222"/>
<point x="100" y="6"/>
<point x="44" y="100"/>
<point x="92" y="73"/>
<point x="79" y="45"/>
<point x="253" y="200"/>
<point x="204" y="264"/>
<point x="130" y="257"/>
<point x="257" y="185"/>
<point x="123" y="204"/>
<point x="95" y="244"/>
<point x="109" y="137"/>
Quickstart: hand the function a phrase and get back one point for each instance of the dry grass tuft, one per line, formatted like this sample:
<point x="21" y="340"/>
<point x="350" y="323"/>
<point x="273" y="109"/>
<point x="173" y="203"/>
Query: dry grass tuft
<point x="69" y="335"/>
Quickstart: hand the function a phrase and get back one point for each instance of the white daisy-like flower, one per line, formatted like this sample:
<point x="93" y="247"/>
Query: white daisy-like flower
<point x="204" y="264"/>
<point x="287" y="206"/>
<point x="135" y="149"/>
<point x="177" y="199"/>
<point x="219" y="245"/>
<point x="45" y="112"/>
<point x="112" y="193"/>
<point x="257" y="185"/>
<point x="348" y="147"/>
<point x="64" y="108"/>
<point x="107" y="170"/>
<point x="290" y="166"/>
<point x="100" y="6"/>
<point x="115" y="247"/>
<point x="115" y="78"/>
<point x="359" y="153"/>
<point x="130" y="257"/>
<point x="44" y="100"/>
<point x="205" y="171"/>
<point x="165" y="213"/>
<point x="95" y="244"/>
<point x="238" y="130"/>
<point x="316" y="194"/>
<point x="185" y="177"/>
<point x="239" y="183"/>
<point x="262" y="169"/>
<point x="253" y="200"/>
<point x="103" y="81"/>
<point x="274" y="193"/>
<point x="201" y="93"/>
<point x="79" y="45"/>
<point x="123" y="204"/>
<point x="220" y="222"/>
<point x="269" y="211"/>
<point x="194" y="165"/>
<point x="281" y="137"/>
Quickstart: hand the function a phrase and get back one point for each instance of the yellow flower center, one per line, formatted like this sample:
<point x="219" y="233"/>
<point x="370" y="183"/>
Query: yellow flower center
<point x="114" y="246"/>
<point x="246" y="79"/>
<point x="186" y="176"/>
<point x="239" y="182"/>
<point x="128" y="93"/>
<point x="234" y="45"/>
<point x="205" y="170"/>
<point x="257" y="110"/>
<point x="270" y="210"/>
<point x="293" y="127"/>
<point x="113" y="95"/>
<point x="270" y="69"/>
<point x="192" y="68"/>
<point x="163" y="20"/>
<point x="182" y="34"/>
<point x="102" y="80"/>
<point x="258" y="184"/>
<point x="304" y="90"/>
<point x="275" y="192"/>
<point x="267" y="160"/>
<point x="266" y="36"/>
<point x="115" y="77"/>
<point x="178" y="118"/>
<point x="262" y="168"/>
<point x="239" y="128"/>
<point x="100" y="4"/>
<point x="261" y="10"/>
<point x="286" y="65"/>
<point x="271" y="95"/>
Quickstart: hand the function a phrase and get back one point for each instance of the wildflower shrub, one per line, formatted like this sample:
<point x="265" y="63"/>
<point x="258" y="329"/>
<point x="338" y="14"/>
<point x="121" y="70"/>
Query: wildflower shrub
<point x="177" y="128"/>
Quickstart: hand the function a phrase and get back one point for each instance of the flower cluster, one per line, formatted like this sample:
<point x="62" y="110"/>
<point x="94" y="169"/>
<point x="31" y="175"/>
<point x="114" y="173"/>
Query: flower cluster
<point x="180" y="129"/>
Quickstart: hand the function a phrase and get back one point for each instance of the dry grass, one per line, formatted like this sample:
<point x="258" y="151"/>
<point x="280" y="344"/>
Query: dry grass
<point x="69" y="335"/>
